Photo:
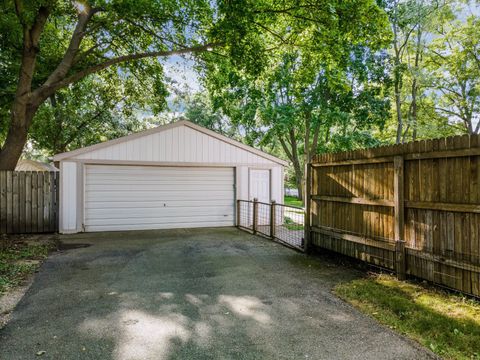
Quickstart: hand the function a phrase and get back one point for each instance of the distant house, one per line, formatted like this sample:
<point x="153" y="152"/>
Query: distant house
<point x="32" y="165"/>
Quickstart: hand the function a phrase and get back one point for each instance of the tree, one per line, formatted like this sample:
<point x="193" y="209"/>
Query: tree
<point x="199" y="110"/>
<point x="305" y="100"/>
<point x="98" y="108"/>
<point x="53" y="44"/>
<point x="106" y="34"/>
<point x="454" y="59"/>
<point x="301" y="104"/>
<point x="412" y="22"/>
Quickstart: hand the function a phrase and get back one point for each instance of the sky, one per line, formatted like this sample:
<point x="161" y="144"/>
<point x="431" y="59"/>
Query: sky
<point x="181" y="70"/>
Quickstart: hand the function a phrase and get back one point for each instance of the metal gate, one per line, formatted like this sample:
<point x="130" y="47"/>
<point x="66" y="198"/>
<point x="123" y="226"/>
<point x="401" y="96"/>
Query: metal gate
<point x="283" y="223"/>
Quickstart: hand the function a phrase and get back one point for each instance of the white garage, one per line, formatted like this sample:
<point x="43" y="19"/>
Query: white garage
<point x="174" y="176"/>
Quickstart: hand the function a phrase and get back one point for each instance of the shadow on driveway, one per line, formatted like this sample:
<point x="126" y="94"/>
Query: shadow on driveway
<point x="191" y="294"/>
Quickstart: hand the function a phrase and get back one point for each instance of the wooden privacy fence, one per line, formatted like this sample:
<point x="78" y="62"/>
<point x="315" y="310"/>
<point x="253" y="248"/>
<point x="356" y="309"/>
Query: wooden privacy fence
<point x="413" y="208"/>
<point x="28" y="202"/>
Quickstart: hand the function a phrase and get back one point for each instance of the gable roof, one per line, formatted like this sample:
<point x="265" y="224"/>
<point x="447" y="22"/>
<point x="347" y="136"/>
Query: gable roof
<point x="70" y="154"/>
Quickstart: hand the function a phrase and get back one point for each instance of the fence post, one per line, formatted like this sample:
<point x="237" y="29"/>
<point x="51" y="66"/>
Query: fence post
<point x="255" y="215"/>
<point x="237" y="223"/>
<point x="306" y="198"/>
<point x="399" y="228"/>
<point x="272" y="219"/>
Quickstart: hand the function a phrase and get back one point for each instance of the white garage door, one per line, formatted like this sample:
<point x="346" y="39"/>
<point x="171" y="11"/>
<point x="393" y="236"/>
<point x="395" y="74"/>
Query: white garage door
<point x="146" y="197"/>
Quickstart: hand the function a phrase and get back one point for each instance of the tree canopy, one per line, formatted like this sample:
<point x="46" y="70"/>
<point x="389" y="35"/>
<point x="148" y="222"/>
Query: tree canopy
<point x="293" y="77"/>
<point x="52" y="45"/>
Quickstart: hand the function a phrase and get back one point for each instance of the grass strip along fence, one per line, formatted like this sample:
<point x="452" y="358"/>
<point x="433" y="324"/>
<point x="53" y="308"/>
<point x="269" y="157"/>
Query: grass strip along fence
<point x="413" y="208"/>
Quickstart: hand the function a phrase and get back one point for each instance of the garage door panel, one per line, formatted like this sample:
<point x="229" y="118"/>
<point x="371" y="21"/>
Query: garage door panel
<point x="158" y="211"/>
<point x="106" y="185"/>
<point x="124" y="227"/>
<point x="165" y="220"/>
<point x="142" y="197"/>
<point x="153" y="178"/>
<point x="141" y="179"/>
<point x="145" y="188"/>
<point x="156" y="195"/>
<point x="149" y="172"/>
<point x="152" y="204"/>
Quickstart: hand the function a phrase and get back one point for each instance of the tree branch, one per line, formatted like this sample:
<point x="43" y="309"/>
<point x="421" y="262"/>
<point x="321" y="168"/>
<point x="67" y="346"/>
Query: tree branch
<point x="152" y="33"/>
<point x="316" y="133"/>
<point x="449" y="112"/>
<point x="31" y="37"/>
<point x="64" y="67"/>
<point x="285" y="148"/>
<point x="46" y="89"/>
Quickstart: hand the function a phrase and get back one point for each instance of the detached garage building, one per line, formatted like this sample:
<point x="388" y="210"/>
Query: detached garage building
<point x="174" y="176"/>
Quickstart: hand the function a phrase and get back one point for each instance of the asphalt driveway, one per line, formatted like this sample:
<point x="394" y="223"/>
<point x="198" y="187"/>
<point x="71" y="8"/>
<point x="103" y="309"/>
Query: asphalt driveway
<point x="191" y="294"/>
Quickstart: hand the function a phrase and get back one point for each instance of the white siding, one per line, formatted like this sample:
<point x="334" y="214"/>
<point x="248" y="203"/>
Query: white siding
<point x="68" y="200"/>
<point x="179" y="144"/>
<point x="153" y="197"/>
<point x="242" y="182"/>
<point x="182" y="148"/>
<point x="277" y="184"/>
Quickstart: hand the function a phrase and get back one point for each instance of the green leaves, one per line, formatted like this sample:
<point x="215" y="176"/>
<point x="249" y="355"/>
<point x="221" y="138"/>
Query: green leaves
<point x="454" y="64"/>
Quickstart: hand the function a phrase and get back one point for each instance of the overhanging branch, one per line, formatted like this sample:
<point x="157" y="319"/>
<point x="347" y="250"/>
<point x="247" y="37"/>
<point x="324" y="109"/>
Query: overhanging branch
<point x="47" y="89"/>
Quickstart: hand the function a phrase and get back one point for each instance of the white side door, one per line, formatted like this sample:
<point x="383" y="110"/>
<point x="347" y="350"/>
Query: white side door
<point x="259" y="188"/>
<point x="259" y="185"/>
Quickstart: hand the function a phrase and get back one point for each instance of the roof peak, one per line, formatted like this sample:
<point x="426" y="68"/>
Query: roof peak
<point x="160" y="128"/>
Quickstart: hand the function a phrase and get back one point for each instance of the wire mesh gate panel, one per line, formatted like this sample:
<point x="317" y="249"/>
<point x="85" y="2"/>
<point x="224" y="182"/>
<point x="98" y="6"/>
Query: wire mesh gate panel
<point x="245" y="214"/>
<point x="413" y="208"/>
<point x="290" y="227"/>
<point x="280" y="222"/>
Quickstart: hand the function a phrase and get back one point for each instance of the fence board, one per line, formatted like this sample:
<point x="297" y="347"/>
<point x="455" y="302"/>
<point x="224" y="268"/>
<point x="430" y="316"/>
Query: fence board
<point x="46" y="201"/>
<point x="353" y="193"/>
<point x="3" y="202"/>
<point x="9" y="211"/>
<point x="40" y="201"/>
<point x="21" y="202"/>
<point x="28" y="202"/>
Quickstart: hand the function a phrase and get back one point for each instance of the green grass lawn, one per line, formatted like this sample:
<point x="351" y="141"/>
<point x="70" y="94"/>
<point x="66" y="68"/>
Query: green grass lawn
<point x="292" y="201"/>
<point x="447" y="324"/>
<point x="19" y="258"/>
<point x="291" y="225"/>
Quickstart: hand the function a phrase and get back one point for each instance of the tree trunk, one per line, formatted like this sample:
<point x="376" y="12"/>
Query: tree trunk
<point x="299" y="180"/>
<point x="16" y="139"/>
<point x="398" y="107"/>
<point x="418" y="57"/>
<point x="24" y="105"/>
<point x="292" y="154"/>
<point x="296" y="163"/>
<point x="414" y="110"/>
<point x="397" y="75"/>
